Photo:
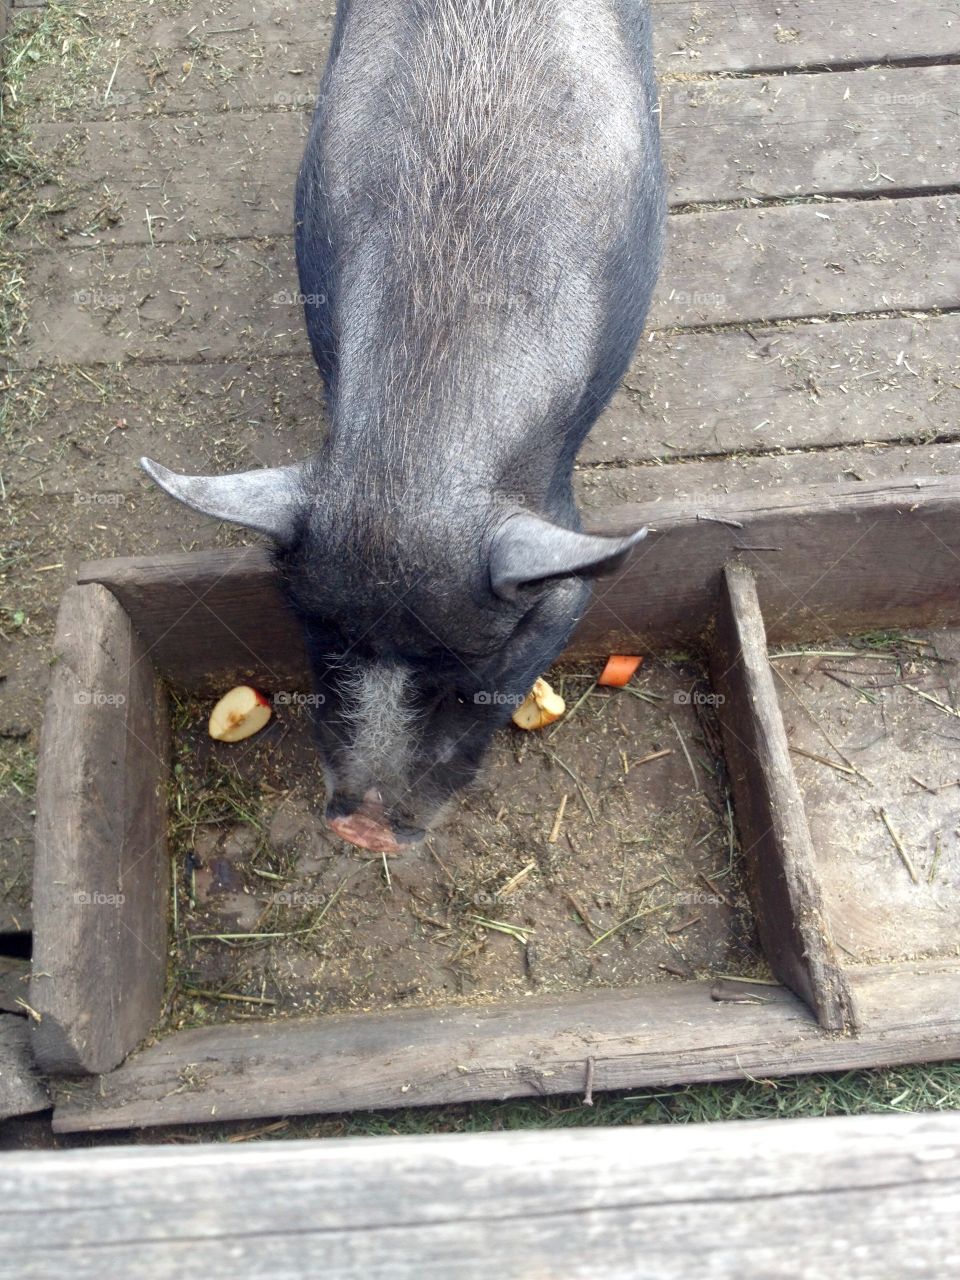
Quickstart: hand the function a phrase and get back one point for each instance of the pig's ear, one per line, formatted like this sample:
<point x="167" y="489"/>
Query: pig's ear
<point x="265" y="500"/>
<point x="527" y="549"/>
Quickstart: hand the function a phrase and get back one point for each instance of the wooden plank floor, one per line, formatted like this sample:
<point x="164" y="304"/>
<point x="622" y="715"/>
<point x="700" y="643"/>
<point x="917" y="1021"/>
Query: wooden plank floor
<point x="805" y="327"/>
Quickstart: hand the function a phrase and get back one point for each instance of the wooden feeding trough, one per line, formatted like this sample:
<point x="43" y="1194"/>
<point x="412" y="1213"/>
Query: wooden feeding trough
<point x="731" y="579"/>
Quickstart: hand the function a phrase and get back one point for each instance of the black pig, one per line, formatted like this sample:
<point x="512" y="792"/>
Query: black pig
<point x="479" y="217"/>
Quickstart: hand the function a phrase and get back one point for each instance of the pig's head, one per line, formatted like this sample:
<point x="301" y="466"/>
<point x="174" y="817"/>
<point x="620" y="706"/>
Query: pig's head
<point x="426" y="622"/>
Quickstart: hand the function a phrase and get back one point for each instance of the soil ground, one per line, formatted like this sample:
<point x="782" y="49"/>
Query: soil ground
<point x="639" y="882"/>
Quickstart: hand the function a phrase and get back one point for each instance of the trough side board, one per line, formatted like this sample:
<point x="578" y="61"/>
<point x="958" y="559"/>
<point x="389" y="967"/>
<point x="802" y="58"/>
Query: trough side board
<point x="777" y="851"/>
<point x="646" y="1036"/>
<point x="827" y="558"/>
<point x="101" y="872"/>
<point x="209" y="617"/>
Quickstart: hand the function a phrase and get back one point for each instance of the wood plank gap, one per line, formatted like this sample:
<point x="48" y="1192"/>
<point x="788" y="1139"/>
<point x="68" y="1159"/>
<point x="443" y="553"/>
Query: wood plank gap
<point x="791" y="69"/>
<point x="852" y="195"/>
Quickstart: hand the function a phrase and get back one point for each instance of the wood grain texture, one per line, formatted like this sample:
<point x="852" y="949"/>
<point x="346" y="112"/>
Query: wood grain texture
<point x="210" y="616"/>
<point x="781" y="34"/>
<point x="270" y="58"/>
<point x="740" y="391"/>
<point x="866" y="1197"/>
<point x="777" y="852"/>
<point x="816" y="553"/>
<point x="874" y="131"/>
<point x="685" y="395"/>
<point x="101" y="870"/>
<point x="735" y="265"/>
<point x="603" y="490"/>
<point x="22" y="1090"/>
<point x="660" y="1034"/>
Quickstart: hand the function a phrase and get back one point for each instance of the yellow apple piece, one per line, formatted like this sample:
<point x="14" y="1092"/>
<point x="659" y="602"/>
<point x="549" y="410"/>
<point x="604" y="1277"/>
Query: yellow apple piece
<point x="239" y="714"/>
<point x="539" y="708"/>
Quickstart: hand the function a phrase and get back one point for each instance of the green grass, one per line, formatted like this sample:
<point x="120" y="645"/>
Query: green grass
<point x="920" y="1088"/>
<point x="934" y="1087"/>
<point x="18" y="767"/>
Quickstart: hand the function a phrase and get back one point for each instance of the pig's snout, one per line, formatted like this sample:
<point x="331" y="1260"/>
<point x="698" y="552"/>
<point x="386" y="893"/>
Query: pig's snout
<point x="368" y="827"/>
<point x="367" y="833"/>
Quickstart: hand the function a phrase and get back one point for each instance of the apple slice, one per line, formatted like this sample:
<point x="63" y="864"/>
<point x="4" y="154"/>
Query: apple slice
<point x="239" y="714"/>
<point x="539" y="708"/>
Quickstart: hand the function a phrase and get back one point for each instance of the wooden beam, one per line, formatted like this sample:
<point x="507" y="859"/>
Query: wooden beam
<point x="778" y="855"/>
<point x="101" y="871"/>
<point x="815" y="550"/>
<point x="210" y="616"/>
<point x="738" y="1201"/>
<point x="22" y="1090"/>
<point x="659" y="1034"/>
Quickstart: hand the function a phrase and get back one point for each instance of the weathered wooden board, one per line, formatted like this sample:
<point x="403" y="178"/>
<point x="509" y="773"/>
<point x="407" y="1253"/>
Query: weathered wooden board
<point x="815" y="552"/>
<point x="22" y="1090"/>
<point x="803" y="260"/>
<point x="215" y="300"/>
<point x="241" y="59"/>
<point x="600" y="489"/>
<point x="667" y="1033"/>
<point x="782" y="34"/>
<point x="778" y="854"/>
<point x="868" y="1197"/>
<point x="787" y="387"/>
<point x="194" y="614"/>
<point x="101" y="871"/>
<point x="875" y="131"/>
<point x="685" y="395"/>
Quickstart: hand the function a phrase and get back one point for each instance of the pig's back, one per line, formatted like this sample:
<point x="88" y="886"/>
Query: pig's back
<point x="480" y="209"/>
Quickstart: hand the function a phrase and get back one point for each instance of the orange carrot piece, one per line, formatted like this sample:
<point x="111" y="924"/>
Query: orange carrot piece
<point x="618" y="670"/>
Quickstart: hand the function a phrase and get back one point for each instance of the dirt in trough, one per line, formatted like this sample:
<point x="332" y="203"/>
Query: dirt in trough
<point x="874" y="730"/>
<point x="276" y="916"/>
